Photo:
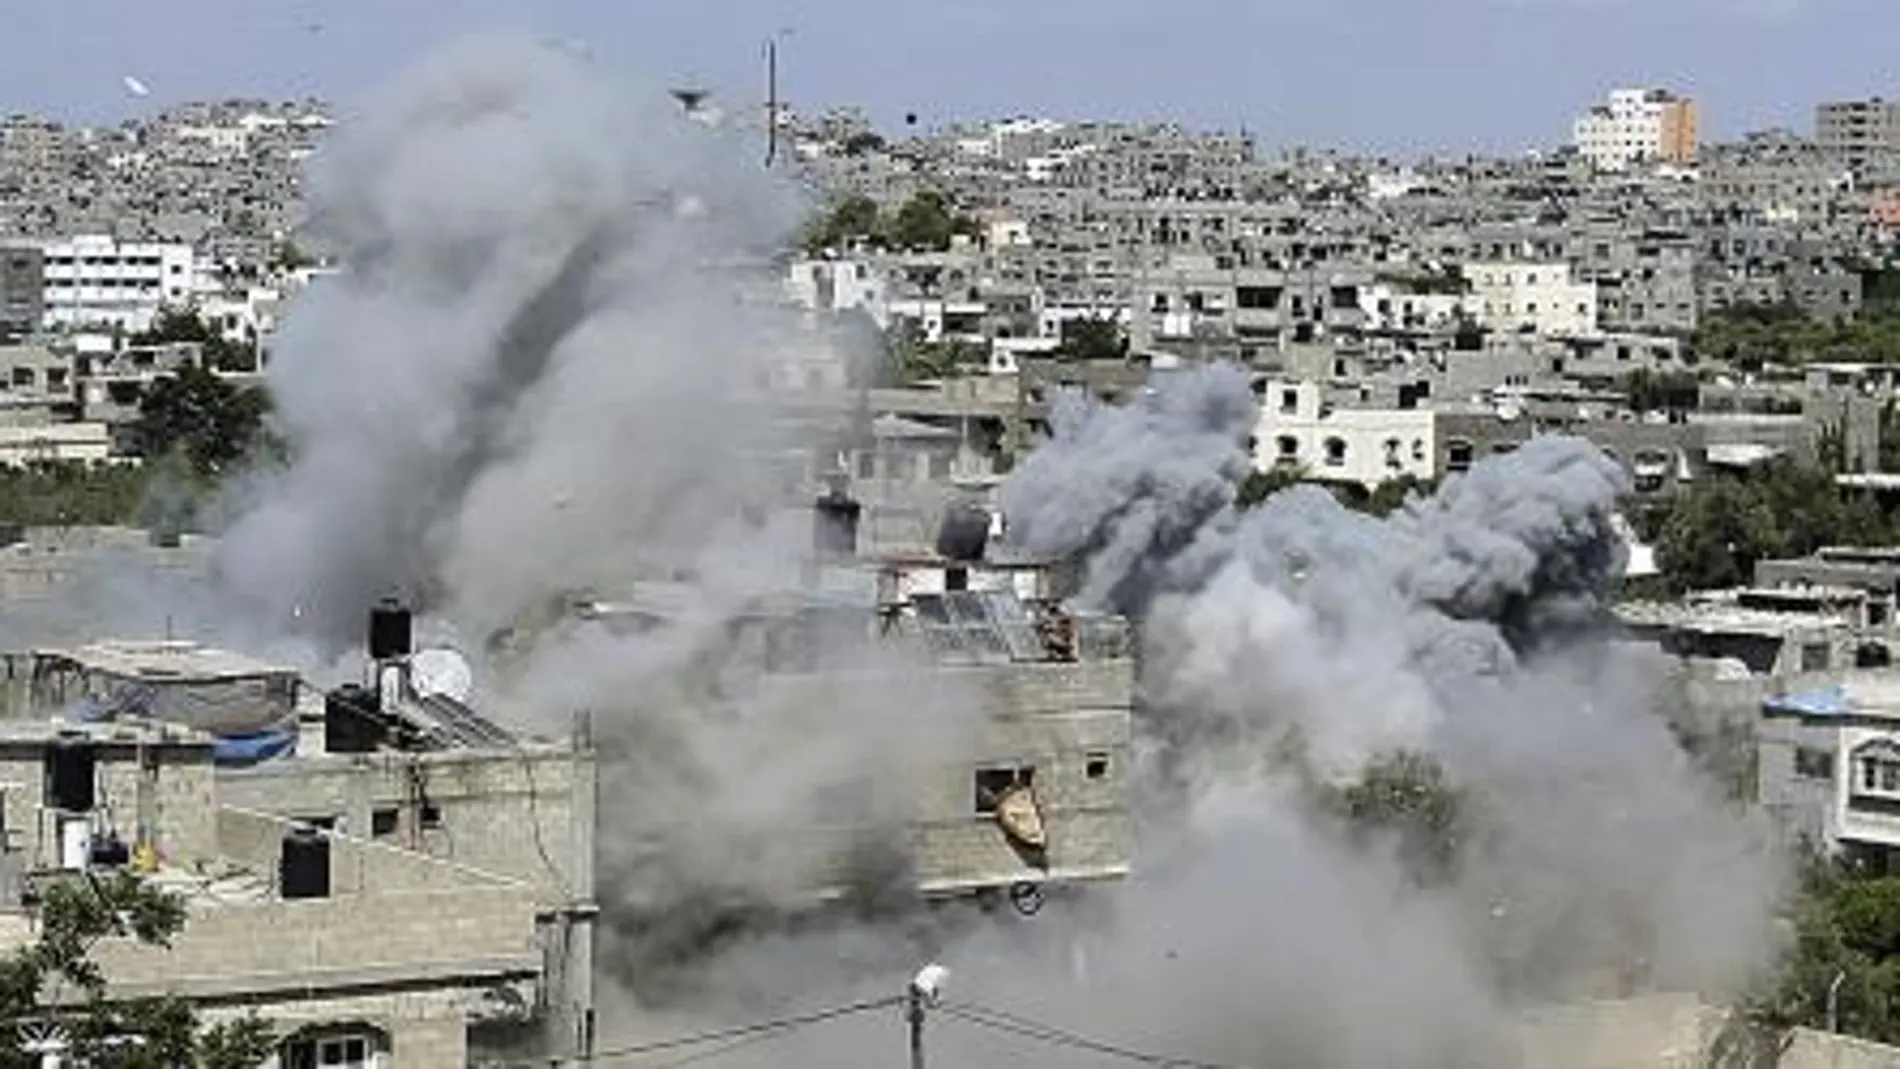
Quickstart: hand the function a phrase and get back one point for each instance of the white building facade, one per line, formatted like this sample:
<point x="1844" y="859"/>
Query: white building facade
<point x="1535" y="298"/>
<point x="1637" y="125"/>
<point x="1298" y="428"/>
<point x="96" y="281"/>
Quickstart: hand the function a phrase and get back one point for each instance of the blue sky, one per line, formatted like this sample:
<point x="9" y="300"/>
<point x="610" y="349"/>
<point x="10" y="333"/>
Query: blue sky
<point x="1398" y="75"/>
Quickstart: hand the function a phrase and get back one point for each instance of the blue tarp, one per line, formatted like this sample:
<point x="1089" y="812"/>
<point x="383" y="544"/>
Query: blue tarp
<point x="252" y="749"/>
<point x="1829" y="702"/>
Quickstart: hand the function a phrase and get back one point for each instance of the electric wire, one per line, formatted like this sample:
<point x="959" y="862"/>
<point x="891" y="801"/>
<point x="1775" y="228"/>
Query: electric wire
<point x="998" y="1020"/>
<point x="758" y="1032"/>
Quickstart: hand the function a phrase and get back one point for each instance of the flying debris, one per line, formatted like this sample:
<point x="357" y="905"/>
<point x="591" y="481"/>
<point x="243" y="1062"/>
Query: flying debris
<point x="136" y="87"/>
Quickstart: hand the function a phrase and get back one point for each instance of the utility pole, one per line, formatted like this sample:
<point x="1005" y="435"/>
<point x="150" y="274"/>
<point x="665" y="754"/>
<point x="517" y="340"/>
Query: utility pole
<point x="771" y="99"/>
<point x="926" y="988"/>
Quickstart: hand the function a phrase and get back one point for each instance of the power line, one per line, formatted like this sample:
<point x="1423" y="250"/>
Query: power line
<point x="997" y="1020"/>
<point x="749" y="1033"/>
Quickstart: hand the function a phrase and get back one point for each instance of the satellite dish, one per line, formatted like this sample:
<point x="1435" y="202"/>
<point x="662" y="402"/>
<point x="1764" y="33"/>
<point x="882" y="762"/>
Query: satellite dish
<point x="136" y="87"/>
<point x="441" y="672"/>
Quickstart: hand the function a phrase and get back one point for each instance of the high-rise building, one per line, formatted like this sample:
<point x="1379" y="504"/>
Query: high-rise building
<point x="1635" y="126"/>
<point x="1860" y="131"/>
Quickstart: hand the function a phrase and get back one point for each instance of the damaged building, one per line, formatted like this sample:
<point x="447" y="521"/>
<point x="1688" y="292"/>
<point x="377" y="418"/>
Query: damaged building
<point x="1041" y="802"/>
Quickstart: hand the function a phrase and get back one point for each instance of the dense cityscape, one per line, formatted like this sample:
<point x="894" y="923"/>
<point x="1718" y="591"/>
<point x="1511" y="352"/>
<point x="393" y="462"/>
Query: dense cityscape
<point x="490" y="582"/>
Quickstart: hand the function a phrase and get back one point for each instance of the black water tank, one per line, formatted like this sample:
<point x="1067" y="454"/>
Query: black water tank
<point x="303" y="869"/>
<point x="835" y="524"/>
<point x="964" y="533"/>
<point x="391" y="630"/>
<point x="111" y="852"/>
<point x="351" y="720"/>
<point x="70" y="776"/>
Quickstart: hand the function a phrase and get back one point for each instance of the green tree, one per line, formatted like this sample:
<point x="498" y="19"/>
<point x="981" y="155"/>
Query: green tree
<point x="1092" y="338"/>
<point x="185" y="325"/>
<point x="197" y="414"/>
<point x="850" y="218"/>
<point x="55" y="977"/>
<point x="1712" y="535"/>
<point x="1408" y="796"/>
<point x="925" y="222"/>
<point x="1260" y="485"/>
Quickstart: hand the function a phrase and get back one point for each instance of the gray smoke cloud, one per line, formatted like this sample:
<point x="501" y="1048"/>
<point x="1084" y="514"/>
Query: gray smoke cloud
<point x="1464" y="628"/>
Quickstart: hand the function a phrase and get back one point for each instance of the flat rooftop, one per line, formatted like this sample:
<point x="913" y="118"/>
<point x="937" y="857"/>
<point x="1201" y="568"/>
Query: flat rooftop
<point x="125" y="730"/>
<point x="181" y="661"/>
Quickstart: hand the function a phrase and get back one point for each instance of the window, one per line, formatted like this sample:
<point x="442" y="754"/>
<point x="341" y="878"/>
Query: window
<point x="1335" y="452"/>
<point x="431" y="815"/>
<point x="348" y="1052"/>
<point x="1813" y="763"/>
<point x="382" y="822"/>
<point x="1814" y="657"/>
<point x="1287" y="446"/>
<point x="1289" y="400"/>
<point x="1458" y="455"/>
<point x="993" y="782"/>
<point x="1096" y="766"/>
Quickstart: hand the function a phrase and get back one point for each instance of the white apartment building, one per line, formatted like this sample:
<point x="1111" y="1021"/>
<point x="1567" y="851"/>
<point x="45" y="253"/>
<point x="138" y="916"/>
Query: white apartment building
<point x="1389" y="307"/>
<point x="1637" y="125"/>
<point x="1535" y="298"/>
<point x="1298" y="427"/>
<point x="94" y="280"/>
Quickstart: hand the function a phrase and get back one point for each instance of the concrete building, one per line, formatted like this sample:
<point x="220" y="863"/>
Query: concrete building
<point x="357" y="953"/>
<point x="399" y="768"/>
<point x="95" y="280"/>
<point x="1636" y="126"/>
<point x="1859" y="131"/>
<point x="1830" y="766"/>
<point x="1367" y="446"/>
<point x="1533" y="298"/>
<point x="1040" y="802"/>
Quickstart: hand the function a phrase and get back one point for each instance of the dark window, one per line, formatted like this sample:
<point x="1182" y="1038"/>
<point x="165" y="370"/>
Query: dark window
<point x="382" y="822"/>
<point x="992" y="783"/>
<point x="1812" y="763"/>
<point x="431" y="815"/>
<point x="1097" y="766"/>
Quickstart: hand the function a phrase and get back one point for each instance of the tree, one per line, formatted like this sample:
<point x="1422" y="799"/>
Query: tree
<point x="852" y="217"/>
<point x="1092" y="338"/>
<point x="184" y="325"/>
<point x="1408" y="796"/>
<point x="925" y="222"/>
<point x="862" y="143"/>
<point x="1712" y="535"/>
<point x="201" y="416"/>
<point x="106" y="1033"/>
<point x="1260" y="485"/>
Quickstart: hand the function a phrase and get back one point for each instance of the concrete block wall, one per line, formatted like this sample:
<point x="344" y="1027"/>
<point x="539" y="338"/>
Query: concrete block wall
<point x="424" y="1028"/>
<point x="311" y="944"/>
<point x="182" y="804"/>
<point x="254" y="841"/>
<point x="500" y="811"/>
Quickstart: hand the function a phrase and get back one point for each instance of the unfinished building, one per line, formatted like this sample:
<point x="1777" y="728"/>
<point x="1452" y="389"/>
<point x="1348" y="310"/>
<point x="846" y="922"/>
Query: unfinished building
<point x="397" y="775"/>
